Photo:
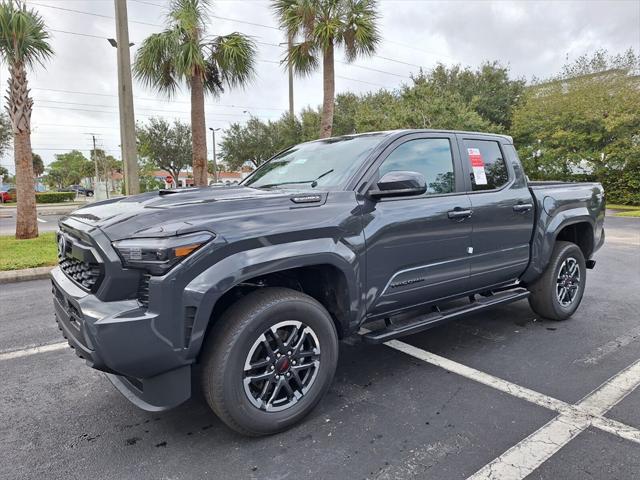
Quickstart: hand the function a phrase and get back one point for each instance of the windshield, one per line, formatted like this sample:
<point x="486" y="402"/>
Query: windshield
<point x="323" y="163"/>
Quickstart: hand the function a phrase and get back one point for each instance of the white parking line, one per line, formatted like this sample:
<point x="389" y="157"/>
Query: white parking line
<point x="41" y="220"/>
<point x="523" y="458"/>
<point x="25" y="352"/>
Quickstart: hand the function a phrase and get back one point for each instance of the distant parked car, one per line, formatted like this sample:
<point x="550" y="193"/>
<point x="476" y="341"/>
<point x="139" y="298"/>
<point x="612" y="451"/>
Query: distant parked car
<point x="79" y="189"/>
<point x="8" y="195"/>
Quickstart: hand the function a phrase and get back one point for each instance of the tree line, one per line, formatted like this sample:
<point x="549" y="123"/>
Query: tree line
<point x="581" y="124"/>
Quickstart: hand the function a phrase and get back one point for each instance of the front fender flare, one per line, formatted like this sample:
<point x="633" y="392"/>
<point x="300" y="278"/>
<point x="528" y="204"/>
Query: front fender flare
<point x="206" y="289"/>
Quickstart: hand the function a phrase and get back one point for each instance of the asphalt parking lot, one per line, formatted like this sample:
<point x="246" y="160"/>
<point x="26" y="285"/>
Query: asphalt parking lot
<point x="499" y="395"/>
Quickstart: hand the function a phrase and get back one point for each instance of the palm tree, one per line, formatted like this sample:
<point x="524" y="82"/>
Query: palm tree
<point x="184" y="54"/>
<point x="321" y="26"/>
<point x="23" y="43"/>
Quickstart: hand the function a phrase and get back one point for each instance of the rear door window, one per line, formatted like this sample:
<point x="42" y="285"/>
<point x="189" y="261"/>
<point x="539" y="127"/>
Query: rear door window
<point x="487" y="164"/>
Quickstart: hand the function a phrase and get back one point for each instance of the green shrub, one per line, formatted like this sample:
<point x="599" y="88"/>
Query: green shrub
<point x="55" y="197"/>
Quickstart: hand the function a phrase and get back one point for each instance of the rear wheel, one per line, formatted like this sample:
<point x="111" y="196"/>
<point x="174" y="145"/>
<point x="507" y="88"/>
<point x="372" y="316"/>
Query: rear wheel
<point x="558" y="292"/>
<point x="269" y="361"/>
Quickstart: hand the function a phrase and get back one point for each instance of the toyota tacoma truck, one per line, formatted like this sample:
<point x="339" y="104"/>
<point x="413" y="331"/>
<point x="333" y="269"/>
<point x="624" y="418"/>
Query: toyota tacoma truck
<point x="252" y="286"/>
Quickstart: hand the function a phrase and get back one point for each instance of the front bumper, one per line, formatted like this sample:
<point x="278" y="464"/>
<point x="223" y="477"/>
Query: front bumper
<point x="122" y="339"/>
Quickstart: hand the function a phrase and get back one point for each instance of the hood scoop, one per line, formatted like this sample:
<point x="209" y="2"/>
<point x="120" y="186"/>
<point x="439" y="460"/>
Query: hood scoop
<point x="165" y="191"/>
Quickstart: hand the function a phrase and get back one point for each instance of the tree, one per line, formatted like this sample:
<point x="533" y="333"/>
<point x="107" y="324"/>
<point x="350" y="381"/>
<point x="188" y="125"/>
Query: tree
<point x="5" y="133"/>
<point x="107" y="165"/>
<point x="23" y="43"/>
<point x="584" y="124"/>
<point x="165" y="146"/>
<point x="321" y="26"/>
<point x="182" y="54"/>
<point x="489" y="90"/>
<point x="257" y="141"/>
<point x="38" y="165"/>
<point x="69" y="169"/>
<point x="4" y="174"/>
<point x="421" y="105"/>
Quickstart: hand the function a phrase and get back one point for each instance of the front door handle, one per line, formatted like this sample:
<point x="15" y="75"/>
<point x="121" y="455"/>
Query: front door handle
<point x="459" y="214"/>
<point x="522" y="207"/>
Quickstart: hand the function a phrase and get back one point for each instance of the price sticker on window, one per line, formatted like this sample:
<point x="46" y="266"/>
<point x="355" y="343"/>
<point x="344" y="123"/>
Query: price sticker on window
<point x="477" y="164"/>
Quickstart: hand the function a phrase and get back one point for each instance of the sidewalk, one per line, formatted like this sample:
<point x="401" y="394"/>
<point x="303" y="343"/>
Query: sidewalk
<point x="11" y="276"/>
<point x="45" y="208"/>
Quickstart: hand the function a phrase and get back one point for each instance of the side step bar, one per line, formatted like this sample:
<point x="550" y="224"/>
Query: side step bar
<point x="434" y="319"/>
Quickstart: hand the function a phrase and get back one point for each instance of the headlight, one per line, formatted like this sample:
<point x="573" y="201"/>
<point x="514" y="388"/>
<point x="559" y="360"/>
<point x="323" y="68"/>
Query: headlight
<point x="159" y="255"/>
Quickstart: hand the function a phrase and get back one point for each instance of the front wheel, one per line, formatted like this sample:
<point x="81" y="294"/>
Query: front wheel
<point x="557" y="294"/>
<point x="269" y="360"/>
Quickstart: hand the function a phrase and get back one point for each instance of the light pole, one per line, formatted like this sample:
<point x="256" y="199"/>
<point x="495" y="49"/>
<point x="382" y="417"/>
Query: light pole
<point x="215" y="163"/>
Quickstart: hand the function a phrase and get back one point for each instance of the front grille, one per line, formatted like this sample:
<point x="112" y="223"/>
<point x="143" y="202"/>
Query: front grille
<point x="79" y="261"/>
<point x="143" y="290"/>
<point x="84" y="274"/>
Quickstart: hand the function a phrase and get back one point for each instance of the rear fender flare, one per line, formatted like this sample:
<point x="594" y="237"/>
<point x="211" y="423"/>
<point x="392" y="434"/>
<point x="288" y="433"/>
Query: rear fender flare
<point x="544" y="238"/>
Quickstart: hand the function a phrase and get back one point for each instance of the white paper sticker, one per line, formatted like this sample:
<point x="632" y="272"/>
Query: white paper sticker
<point x="477" y="164"/>
<point x="479" y="176"/>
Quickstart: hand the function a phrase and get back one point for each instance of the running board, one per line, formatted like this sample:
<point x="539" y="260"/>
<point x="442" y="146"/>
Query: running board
<point x="436" y="318"/>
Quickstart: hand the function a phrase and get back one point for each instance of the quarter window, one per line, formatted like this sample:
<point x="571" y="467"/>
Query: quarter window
<point x="488" y="168"/>
<point x="429" y="156"/>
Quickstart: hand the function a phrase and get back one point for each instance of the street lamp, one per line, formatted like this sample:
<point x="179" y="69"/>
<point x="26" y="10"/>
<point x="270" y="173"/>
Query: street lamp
<point x="215" y="164"/>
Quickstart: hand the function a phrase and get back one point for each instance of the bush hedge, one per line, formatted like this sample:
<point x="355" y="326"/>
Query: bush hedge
<point x="55" y="197"/>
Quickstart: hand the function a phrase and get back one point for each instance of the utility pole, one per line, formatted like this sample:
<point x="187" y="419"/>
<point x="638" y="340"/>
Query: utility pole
<point x="215" y="163"/>
<point x="95" y="161"/>
<point x="125" y="100"/>
<point x="290" y="46"/>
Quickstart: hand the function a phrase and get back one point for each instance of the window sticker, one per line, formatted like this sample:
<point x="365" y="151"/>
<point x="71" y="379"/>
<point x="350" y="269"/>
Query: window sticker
<point x="299" y="161"/>
<point x="477" y="164"/>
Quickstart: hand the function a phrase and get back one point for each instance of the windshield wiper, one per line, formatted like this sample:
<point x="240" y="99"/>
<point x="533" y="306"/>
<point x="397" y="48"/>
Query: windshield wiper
<point x="314" y="182"/>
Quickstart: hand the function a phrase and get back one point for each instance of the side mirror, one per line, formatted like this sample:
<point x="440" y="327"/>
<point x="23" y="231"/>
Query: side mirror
<point x="399" y="184"/>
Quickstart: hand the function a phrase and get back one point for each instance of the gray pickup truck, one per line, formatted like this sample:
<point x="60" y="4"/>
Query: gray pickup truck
<point x="252" y="286"/>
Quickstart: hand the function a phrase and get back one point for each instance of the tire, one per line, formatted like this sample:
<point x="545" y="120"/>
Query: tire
<point x="254" y="408"/>
<point x="546" y="291"/>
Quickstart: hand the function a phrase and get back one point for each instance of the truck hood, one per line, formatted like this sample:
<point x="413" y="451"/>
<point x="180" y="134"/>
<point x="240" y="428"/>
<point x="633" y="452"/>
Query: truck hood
<point x="173" y="212"/>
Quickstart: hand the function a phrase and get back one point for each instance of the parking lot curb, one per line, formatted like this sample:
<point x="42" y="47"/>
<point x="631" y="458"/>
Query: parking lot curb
<point x="11" y="276"/>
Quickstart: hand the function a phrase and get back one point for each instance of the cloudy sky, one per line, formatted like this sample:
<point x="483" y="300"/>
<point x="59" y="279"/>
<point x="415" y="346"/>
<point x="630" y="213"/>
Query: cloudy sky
<point x="75" y="96"/>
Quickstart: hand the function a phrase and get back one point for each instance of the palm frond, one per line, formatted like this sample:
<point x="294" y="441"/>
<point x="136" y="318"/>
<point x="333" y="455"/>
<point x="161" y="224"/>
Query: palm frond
<point x="155" y="62"/>
<point x="235" y="57"/>
<point x="360" y="34"/>
<point x="190" y="15"/>
<point x="296" y="17"/>
<point x="303" y="57"/>
<point x="23" y="35"/>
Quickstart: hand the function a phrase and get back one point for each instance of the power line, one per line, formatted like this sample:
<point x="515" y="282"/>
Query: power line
<point x="77" y="33"/>
<point x="93" y="14"/>
<point x="361" y="81"/>
<point x="115" y="106"/>
<point x="372" y="69"/>
<point x="144" y="114"/>
<point x="37" y="125"/>
<point x="234" y="20"/>
<point x="255" y="107"/>
<point x="229" y="19"/>
<point x="271" y="27"/>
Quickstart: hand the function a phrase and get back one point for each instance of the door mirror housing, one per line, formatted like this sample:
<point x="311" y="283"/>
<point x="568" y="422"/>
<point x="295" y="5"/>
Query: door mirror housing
<point x="399" y="184"/>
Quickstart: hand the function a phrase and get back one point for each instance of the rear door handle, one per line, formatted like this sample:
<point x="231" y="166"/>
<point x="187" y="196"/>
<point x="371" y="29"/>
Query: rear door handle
<point x="522" y="207"/>
<point x="459" y="214"/>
